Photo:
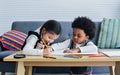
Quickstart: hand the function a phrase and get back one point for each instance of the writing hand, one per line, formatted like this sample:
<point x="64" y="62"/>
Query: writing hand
<point x="47" y="51"/>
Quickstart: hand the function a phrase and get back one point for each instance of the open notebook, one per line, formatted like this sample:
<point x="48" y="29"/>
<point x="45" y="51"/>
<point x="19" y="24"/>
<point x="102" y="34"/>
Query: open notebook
<point x="60" y="52"/>
<point x="111" y="52"/>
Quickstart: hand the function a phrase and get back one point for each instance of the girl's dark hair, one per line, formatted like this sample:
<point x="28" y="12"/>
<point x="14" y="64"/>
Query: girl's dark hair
<point x="52" y="26"/>
<point x="85" y="24"/>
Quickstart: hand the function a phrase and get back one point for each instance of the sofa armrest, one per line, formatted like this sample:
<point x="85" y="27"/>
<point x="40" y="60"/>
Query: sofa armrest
<point x="0" y="48"/>
<point x="5" y="53"/>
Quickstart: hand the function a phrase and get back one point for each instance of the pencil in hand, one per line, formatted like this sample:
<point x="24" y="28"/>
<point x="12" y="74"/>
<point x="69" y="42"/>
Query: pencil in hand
<point x="45" y="43"/>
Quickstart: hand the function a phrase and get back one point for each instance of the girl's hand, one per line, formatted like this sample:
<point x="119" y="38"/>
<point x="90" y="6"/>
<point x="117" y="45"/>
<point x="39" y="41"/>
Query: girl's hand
<point x="50" y="49"/>
<point x="47" y="51"/>
<point x="40" y="45"/>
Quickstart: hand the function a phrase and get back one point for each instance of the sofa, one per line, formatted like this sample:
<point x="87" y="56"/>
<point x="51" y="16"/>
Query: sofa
<point x="26" y="26"/>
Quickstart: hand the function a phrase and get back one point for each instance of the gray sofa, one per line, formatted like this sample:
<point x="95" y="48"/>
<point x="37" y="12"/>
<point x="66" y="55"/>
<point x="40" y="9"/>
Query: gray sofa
<point x="26" y="26"/>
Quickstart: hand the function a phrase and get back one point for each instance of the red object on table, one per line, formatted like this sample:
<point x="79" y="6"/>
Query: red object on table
<point x="100" y="54"/>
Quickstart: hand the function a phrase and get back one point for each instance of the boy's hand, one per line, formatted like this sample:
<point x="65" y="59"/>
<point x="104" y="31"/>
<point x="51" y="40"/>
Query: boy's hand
<point x="76" y="50"/>
<point x="67" y="51"/>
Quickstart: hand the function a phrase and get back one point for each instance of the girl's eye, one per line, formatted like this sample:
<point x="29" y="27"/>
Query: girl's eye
<point x="50" y="38"/>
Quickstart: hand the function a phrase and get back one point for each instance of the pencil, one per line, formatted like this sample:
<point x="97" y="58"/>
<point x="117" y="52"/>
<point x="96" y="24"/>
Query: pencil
<point x="45" y="43"/>
<point x="49" y="57"/>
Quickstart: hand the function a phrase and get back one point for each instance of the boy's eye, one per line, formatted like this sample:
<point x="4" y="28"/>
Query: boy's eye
<point x="77" y="35"/>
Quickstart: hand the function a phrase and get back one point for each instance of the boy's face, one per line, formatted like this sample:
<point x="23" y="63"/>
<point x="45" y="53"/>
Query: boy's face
<point x="79" y="36"/>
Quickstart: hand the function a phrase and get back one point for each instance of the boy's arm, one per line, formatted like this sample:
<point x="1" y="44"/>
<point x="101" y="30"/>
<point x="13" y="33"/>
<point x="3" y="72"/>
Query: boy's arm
<point x="89" y="48"/>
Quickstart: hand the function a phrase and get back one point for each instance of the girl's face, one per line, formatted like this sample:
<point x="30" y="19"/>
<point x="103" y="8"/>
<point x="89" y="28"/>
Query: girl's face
<point x="79" y="36"/>
<point x="49" y="37"/>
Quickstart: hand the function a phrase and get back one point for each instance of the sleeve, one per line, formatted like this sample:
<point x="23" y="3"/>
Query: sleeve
<point x="62" y="45"/>
<point x="29" y="46"/>
<point x="90" y="48"/>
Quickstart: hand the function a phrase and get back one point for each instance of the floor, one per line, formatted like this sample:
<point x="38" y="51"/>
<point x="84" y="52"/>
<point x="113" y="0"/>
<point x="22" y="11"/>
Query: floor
<point x="52" y="74"/>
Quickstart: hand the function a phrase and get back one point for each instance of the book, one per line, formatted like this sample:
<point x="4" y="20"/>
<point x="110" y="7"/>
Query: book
<point x="61" y="52"/>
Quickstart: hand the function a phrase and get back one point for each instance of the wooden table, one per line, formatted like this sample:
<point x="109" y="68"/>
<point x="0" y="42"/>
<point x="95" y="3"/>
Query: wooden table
<point x="61" y="61"/>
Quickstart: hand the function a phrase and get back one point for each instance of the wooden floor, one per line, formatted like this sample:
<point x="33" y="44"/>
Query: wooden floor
<point x="52" y="74"/>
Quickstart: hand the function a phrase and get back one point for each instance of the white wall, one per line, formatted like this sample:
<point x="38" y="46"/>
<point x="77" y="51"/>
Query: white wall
<point x="62" y="10"/>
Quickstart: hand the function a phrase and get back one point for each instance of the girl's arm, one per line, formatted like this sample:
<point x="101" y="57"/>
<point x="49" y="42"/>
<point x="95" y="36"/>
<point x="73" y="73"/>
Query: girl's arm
<point x="29" y="47"/>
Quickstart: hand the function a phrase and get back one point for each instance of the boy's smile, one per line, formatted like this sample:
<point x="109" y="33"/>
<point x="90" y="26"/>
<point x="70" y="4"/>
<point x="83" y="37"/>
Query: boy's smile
<point x="79" y="36"/>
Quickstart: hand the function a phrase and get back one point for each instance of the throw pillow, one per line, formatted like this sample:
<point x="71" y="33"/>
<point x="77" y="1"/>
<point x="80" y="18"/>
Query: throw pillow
<point x="0" y="38"/>
<point x="109" y="34"/>
<point x="13" y="40"/>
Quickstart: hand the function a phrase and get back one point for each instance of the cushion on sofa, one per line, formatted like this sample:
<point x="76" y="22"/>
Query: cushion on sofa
<point x="13" y="40"/>
<point x="0" y="38"/>
<point x="109" y="34"/>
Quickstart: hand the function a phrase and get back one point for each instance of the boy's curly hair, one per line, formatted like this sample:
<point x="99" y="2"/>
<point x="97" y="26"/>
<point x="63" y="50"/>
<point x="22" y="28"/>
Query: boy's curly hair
<point x="85" y="24"/>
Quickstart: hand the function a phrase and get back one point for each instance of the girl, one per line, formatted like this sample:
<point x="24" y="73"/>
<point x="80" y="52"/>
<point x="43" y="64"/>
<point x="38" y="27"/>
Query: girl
<point x="39" y="39"/>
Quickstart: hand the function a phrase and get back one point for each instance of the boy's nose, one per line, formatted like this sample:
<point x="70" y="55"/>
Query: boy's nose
<point x="75" y="37"/>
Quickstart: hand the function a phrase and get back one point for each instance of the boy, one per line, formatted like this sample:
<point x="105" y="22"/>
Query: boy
<point x="83" y="31"/>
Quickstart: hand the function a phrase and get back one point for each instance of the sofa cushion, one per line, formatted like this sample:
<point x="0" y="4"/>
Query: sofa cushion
<point x="13" y="40"/>
<point x="0" y="38"/>
<point x="109" y="34"/>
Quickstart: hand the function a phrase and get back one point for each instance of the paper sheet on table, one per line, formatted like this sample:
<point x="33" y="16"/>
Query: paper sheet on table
<point x="60" y="52"/>
<point x="111" y="52"/>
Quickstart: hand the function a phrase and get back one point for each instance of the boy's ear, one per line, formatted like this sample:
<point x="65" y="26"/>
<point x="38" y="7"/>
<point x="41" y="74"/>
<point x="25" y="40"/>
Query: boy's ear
<point x="87" y="37"/>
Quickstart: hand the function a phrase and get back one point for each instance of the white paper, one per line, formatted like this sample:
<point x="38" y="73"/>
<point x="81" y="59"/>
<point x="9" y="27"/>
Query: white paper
<point x="60" y="52"/>
<point x="111" y="52"/>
